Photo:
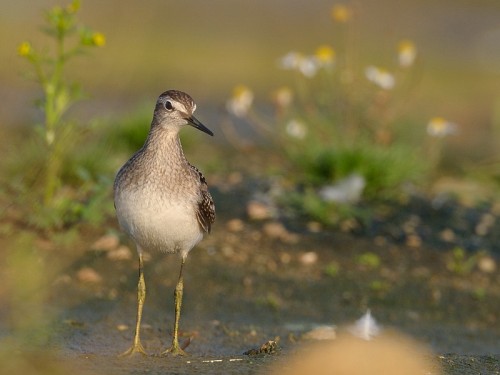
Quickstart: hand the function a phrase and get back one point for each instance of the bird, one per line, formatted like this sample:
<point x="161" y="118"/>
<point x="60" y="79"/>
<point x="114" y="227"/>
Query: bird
<point x="162" y="201"/>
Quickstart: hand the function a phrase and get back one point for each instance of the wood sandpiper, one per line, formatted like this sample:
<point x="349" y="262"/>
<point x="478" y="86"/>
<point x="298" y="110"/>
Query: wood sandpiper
<point x="162" y="201"/>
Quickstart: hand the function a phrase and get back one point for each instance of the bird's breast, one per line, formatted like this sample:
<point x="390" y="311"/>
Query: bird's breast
<point x="159" y="219"/>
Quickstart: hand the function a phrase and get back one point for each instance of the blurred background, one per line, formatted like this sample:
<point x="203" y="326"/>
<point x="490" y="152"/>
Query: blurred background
<point x="206" y="48"/>
<point x="362" y="148"/>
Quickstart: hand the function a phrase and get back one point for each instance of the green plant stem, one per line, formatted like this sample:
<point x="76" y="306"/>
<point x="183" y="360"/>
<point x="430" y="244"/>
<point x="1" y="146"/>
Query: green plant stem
<point x="53" y="114"/>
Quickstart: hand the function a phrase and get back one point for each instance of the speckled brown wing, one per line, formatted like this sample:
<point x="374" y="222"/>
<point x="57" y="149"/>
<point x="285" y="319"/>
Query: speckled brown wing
<point x="206" y="207"/>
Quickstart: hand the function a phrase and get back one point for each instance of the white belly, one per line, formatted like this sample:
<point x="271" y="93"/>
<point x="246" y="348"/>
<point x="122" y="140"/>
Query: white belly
<point x="159" y="225"/>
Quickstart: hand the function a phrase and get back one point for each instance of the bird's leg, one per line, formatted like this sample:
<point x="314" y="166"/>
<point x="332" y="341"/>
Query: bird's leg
<point x="175" y="349"/>
<point x="141" y="297"/>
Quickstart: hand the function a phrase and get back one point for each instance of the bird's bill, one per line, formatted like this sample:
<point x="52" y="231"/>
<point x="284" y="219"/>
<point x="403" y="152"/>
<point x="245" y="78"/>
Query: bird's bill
<point x="193" y="121"/>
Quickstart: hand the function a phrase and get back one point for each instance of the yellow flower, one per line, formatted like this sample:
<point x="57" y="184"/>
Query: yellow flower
<point x="407" y="53"/>
<point x="98" y="39"/>
<point x="24" y="49"/>
<point x="341" y="13"/>
<point x="440" y="127"/>
<point x="73" y="7"/>
<point x="325" y="55"/>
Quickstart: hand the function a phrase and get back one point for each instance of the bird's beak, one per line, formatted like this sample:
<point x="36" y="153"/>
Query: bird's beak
<point x="193" y="121"/>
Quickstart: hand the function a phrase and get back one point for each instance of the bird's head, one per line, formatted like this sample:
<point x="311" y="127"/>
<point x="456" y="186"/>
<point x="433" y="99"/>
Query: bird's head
<point x="175" y="109"/>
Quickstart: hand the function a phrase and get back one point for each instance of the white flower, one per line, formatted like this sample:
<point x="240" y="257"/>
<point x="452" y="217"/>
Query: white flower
<point x="241" y="101"/>
<point x="290" y="61"/>
<point x="347" y="190"/>
<point x="307" y="65"/>
<point x="380" y="77"/>
<point x="296" y="129"/>
<point x="366" y="327"/>
<point x="439" y="127"/>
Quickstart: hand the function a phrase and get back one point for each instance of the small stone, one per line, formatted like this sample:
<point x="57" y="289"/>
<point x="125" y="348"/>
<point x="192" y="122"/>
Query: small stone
<point x="413" y="240"/>
<point x="348" y="225"/>
<point x="321" y="333"/>
<point x="487" y="264"/>
<point x="485" y="224"/>
<point x="309" y="258"/>
<point x="314" y="226"/>
<point x="121" y="253"/>
<point x="227" y="250"/>
<point x="448" y="235"/>
<point x="88" y="275"/>
<point x="122" y="327"/>
<point x="274" y="230"/>
<point x="258" y="211"/>
<point x="235" y="225"/>
<point x="285" y="258"/>
<point x="106" y="243"/>
<point x="235" y="178"/>
<point x="277" y="230"/>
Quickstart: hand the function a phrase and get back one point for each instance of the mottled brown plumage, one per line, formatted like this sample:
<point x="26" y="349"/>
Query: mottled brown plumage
<point x="161" y="200"/>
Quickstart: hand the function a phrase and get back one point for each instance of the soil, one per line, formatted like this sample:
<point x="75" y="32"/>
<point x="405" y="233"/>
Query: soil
<point x="272" y="280"/>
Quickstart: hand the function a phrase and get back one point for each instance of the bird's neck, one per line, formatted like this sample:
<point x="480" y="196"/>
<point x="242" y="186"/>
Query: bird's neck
<point x="165" y="146"/>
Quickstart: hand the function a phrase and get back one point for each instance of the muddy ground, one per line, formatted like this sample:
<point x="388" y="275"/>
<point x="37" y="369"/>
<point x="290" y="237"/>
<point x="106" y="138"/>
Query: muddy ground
<point x="252" y="281"/>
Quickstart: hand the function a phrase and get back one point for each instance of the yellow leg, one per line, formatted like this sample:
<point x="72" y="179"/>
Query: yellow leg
<point x="141" y="297"/>
<point x="175" y="349"/>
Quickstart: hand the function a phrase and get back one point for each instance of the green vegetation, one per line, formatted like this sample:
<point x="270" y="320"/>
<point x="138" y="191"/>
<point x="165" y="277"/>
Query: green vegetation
<point x="368" y="260"/>
<point x="57" y="135"/>
<point x="342" y="128"/>
<point x="460" y="263"/>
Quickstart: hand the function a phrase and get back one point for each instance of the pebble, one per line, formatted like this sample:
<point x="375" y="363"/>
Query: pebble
<point x="277" y="230"/>
<point x="121" y="253"/>
<point x="235" y="225"/>
<point x="308" y="258"/>
<point x="487" y="264"/>
<point x="285" y="258"/>
<point x="106" y="243"/>
<point x="314" y="227"/>
<point x="413" y="240"/>
<point x="88" y="275"/>
<point x="122" y="327"/>
<point x="485" y="224"/>
<point x="321" y="333"/>
<point x="447" y="235"/>
<point x="258" y="211"/>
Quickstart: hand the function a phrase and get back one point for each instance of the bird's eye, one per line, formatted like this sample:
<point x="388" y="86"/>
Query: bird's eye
<point x="168" y="105"/>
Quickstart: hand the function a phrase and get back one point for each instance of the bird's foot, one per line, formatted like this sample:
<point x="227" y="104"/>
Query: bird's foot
<point x="134" y="349"/>
<point x="177" y="349"/>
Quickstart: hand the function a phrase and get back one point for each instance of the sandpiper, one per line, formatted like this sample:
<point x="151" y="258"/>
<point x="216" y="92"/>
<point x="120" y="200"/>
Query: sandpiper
<point x="162" y="201"/>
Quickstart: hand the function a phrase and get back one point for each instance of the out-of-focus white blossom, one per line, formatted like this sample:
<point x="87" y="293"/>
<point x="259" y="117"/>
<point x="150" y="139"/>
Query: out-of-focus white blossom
<point x="366" y="327"/>
<point x="440" y="127"/>
<point x="307" y="65"/>
<point x="407" y="53"/>
<point x="296" y="129"/>
<point x="380" y="77"/>
<point x="241" y="101"/>
<point x="347" y="190"/>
